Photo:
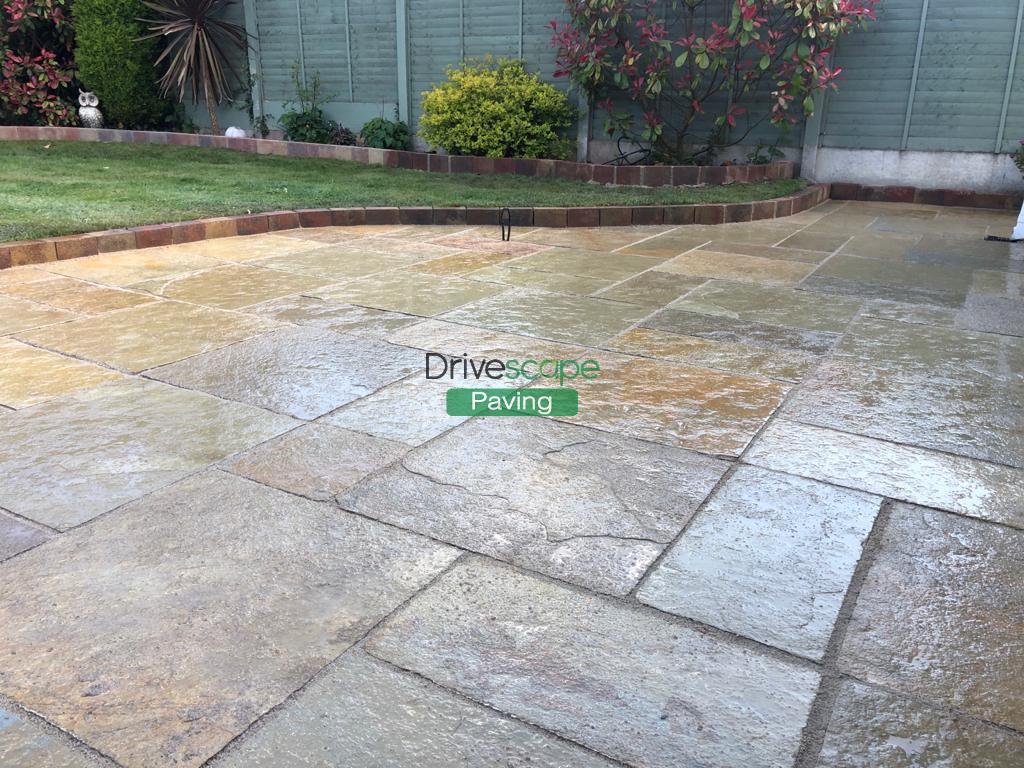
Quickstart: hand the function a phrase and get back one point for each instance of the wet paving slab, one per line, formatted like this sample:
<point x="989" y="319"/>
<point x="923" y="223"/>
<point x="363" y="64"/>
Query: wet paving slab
<point x="872" y="728"/>
<point x="233" y="506"/>
<point x="144" y="337"/>
<point x="273" y="588"/>
<point x="301" y="372"/>
<point x="941" y="615"/>
<point x="69" y="460"/>
<point x="25" y="743"/>
<point x="364" y="712"/>
<point x="558" y="658"/>
<point x="770" y="558"/>
<point x="587" y="507"/>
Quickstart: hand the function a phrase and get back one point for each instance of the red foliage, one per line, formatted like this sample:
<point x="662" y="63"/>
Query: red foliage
<point x="680" y="59"/>
<point x="36" y="67"/>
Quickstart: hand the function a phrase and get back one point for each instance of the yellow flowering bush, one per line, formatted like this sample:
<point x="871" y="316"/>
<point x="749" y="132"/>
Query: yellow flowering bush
<point x="497" y="109"/>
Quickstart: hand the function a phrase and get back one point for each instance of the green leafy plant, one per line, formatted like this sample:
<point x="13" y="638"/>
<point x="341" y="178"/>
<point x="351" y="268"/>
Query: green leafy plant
<point x="763" y="154"/>
<point x="385" y="134"/>
<point x="304" y="118"/>
<point x="1018" y="157"/>
<point x="35" y="62"/>
<point x="497" y="109"/>
<point x="197" y="47"/>
<point x="114" y="64"/>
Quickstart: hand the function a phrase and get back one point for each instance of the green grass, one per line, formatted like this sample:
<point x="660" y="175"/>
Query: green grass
<point x="66" y="187"/>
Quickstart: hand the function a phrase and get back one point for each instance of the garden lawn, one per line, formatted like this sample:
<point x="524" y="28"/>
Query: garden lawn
<point x="60" y="188"/>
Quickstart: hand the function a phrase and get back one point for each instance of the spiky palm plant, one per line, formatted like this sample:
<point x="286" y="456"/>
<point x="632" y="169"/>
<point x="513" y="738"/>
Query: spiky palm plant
<point x="197" y="44"/>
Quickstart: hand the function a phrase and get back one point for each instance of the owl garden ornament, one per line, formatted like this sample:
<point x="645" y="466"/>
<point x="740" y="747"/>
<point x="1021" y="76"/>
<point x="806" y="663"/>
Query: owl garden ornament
<point x="89" y="114"/>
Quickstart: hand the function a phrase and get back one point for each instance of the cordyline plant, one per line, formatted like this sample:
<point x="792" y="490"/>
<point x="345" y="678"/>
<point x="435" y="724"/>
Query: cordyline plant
<point x="35" y="62"/>
<point x="683" y="64"/>
<point x="197" y="46"/>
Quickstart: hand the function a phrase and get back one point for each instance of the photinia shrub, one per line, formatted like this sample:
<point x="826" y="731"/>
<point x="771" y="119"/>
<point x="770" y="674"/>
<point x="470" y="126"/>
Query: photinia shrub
<point x="665" y="71"/>
<point x="36" y="67"/>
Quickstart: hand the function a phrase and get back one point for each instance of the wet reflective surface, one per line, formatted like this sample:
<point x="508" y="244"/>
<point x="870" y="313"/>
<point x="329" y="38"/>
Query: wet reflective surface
<point x="783" y="531"/>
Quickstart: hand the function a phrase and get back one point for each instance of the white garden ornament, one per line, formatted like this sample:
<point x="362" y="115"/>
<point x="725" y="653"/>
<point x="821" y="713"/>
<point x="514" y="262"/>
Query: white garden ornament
<point x="88" y="111"/>
<point x="1018" y="231"/>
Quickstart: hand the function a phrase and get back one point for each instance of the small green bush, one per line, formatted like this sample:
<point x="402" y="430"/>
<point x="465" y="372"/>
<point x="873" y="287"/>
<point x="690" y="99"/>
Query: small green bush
<point x="115" y="64"/>
<point x="497" y="109"/>
<point x="385" y="134"/>
<point x="304" y="119"/>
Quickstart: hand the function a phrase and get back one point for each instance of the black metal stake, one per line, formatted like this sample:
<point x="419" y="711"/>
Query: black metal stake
<point x="505" y="222"/>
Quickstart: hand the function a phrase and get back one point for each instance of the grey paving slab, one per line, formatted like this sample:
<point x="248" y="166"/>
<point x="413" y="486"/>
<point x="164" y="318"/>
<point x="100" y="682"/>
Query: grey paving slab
<point x="17" y="536"/>
<point x="870" y="728"/>
<point x="736" y="330"/>
<point x="302" y="372"/>
<point x="365" y="713"/>
<point x="634" y="686"/>
<point x="954" y="483"/>
<point x="941" y="615"/>
<point x="316" y="460"/>
<point x="770" y="557"/>
<point x="26" y="744"/>
<point x="938" y="388"/>
<point x="344" y="318"/>
<point x="158" y="634"/>
<point x="585" y="506"/>
<point x="71" y="459"/>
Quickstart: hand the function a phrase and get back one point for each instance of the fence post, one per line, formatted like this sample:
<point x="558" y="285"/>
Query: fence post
<point x="912" y="95"/>
<point x="402" y="44"/>
<point x="252" y="50"/>
<point x="1011" y="71"/>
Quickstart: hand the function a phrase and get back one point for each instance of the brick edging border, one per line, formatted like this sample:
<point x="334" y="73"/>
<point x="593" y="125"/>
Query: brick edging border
<point x="623" y="175"/>
<point x="48" y="249"/>
<point x="947" y="197"/>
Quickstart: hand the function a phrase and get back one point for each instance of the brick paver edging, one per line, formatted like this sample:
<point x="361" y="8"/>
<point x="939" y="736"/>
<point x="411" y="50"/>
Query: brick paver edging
<point x="152" y="235"/>
<point x="625" y="175"/>
<point x="950" y="197"/>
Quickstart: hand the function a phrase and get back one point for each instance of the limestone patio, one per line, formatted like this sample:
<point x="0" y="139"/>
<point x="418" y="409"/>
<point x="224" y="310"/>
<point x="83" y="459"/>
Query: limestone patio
<point x="785" y="529"/>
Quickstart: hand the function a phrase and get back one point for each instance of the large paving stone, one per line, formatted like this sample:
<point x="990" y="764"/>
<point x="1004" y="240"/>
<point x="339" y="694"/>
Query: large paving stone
<point x="366" y="713"/>
<point x="25" y="744"/>
<point x="76" y="295"/>
<point x="144" y="337"/>
<point x="569" y="319"/>
<point x="597" y="264"/>
<point x="456" y="340"/>
<point x="636" y="687"/>
<point x="413" y="293"/>
<point x="411" y="411"/>
<point x="553" y="282"/>
<point x="231" y="287"/>
<point x="335" y="263"/>
<point x="737" y="331"/>
<point x="316" y="460"/>
<point x="588" y="507"/>
<point x="773" y="306"/>
<point x="20" y="315"/>
<point x="302" y="372"/>
<point x="954" y="483"/>
<point x="870" y="728"/>
<point x="876" y="278"/>
<point x="247" y="247"/>
<point x="66" y="461"/>
<point x="708" y="353"/>
<point x="594" y="239"/>
<point x="17" y="536"/>
<point x="941" y="615"/>
<point x="733" y="266"/>
<point x="769" y="557"/>
<point x="344" y="318"/>
<point x="124" y="268"/>
<point x="461" y="263"/>
<point x="697" y="408"/>
<point x="938" y="388"/>
<point x="160" y="633"/>
<point x="29" y="375"/>
<point x="652" y="289"/>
